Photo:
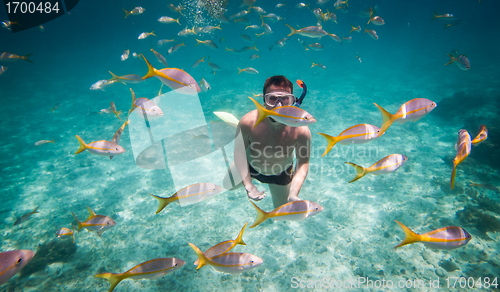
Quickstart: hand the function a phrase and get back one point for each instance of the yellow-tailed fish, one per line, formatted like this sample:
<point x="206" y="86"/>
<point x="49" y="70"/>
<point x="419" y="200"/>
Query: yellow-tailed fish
<point x="462" y="61"/>
<point x="446" y="16"/>
<point x="8" y="24"/>
<point x="483" y="135"/>
<point x="112" y="107"/>
<point x="358" y="57"/>
<point x="172" y="77"/>
<point x="289" y="115"/>
<point x="310" y="31"/>
<point x="209" y="28"/>
<point x="8" y="57"/>
<point x="198" y="62"/>
<point x="231" y="50"/>
<point x="129" y="78"/>
<point x="118" y="134"/>
<point x="176" y="8"/>
<point x="55" y="107"/>
<point x="152" y="269"/>
<point x="41" y="142"/>
<point x="3" y="69"/>
<point x="372" y="33"/>
<point x="450" y="237"/>
<point x="136" y="11"/>
<point x="318" y="65"/>
<point x="229" y="262"/>
<point x="164" y="41"/>
<point x="223" y="247"/>
<point x="204" y="85"/>
<point x="175" y="48"/>
<point x="66" y="232"/>
<point x="293" y="211"/>
<point x="147" y="106"/>
<point x="101" y="84"/>
<point x="355" y="28"/>
<point x="412" y="110"/>
<point x="12" y="262"/>
<point x="190" y="194"/>
<point x="377" y="20"/>
<point x="208" y="43"/>
<point x="160" y="58"/>
<point x="98" y="223"/>
<point x="484" y="185"/>
<point x="187" y="31"/>
<point x="228" y="118"/>
<point x="145" y="35"/>
<point x="102" y="147"/>
<point x="357" y="134"/>
<point x="25" y="217"/>
<point x="254" y="56"/>
<point x="248" y="70"/>
<point x="387" y="164"/>
<point x="317" y="47"/>
<point x="463" y="148"/>
<point x="166" y="19"/>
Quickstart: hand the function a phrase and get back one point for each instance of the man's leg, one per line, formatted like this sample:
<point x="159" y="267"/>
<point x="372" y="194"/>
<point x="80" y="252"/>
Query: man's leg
<point x="279" y="194"/>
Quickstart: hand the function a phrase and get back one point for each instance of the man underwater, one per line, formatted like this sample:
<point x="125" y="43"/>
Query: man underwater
<point x="270" y="147"/>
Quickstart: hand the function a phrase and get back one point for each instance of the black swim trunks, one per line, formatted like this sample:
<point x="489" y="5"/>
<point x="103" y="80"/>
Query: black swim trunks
<point x="281" y="179"/>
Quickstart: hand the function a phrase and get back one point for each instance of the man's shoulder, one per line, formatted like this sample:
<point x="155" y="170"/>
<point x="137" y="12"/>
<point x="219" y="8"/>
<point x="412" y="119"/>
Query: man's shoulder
<point x="249" y="118"/>
<point x="302" y="133"/>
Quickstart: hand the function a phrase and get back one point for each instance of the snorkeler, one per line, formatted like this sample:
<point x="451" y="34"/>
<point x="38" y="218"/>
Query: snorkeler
<point x="270" y="147"/>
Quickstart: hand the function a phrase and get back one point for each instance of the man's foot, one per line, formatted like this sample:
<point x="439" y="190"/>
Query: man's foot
<point x="293" y="199"/>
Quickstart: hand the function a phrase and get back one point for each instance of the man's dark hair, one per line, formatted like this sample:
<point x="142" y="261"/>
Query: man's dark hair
<point x="278" y="80"/>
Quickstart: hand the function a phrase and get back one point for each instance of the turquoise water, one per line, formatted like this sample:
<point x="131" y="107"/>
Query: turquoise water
<point x="352" y="238"/>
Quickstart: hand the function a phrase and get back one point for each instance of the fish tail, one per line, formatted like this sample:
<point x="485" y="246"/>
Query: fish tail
<point x="241" y="70"/>
<point x="387" y="119"/>
<point x="410" y="236"/>
<point x="202" y="259"/>
<point x="163" y="203"/>
<point x="52" y="141"/>
<point x="262" y="112"/>
<point x="82" y="147"/>
<point x="35" y="211"/>
<point x="113" y="279"/>
<point x="453" y="173"/>
<point x="261" y="216"/>
<point x="312" y="64"/>
<point x="255" y="47"/>
<point x="435" y="15"/>
<point x="151" y="69"/>
<point x="360" y="171"/>
<point x="133" y="106"/>
<point x="127" y="13"/>
<point x="331" y="142"/>
<point x="177" y="20"/>
<point x="369" y="20"/>
<point x="199" y="42"/>
<point x="114" y="77"/>
<point x="25" y="58"/>
<point x="73" y="233"/>
<point x="152" y="33"/>
<point x="452" y="59"/>
<point x="352" y="28"/>
<point x="293" y="30"/>
<point x="239" y="239"/>
<point x="78" y="222"/>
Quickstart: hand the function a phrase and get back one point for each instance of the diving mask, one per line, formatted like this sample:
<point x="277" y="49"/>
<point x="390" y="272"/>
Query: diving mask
<point x="272" y="98"/>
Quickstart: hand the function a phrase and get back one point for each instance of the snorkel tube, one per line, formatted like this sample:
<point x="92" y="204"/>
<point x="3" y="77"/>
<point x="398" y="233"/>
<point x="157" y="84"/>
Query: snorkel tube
<point x="304" y="92"/>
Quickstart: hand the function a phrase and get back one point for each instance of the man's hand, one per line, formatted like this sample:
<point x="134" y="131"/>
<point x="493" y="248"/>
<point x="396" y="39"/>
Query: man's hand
<point x="254" y="194"/>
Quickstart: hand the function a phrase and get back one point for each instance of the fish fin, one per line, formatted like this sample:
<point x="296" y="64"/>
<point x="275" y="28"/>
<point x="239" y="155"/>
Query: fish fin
<point x="82" y="147"/>
<point x="52" y="141"/>
<point x="25" y="58"/>
<point x="453" y="173"/>
<point x="239" y="239"/>
<point x="262" y="112"/>
<point x="241" y="70"/>
<point x="452" y="59"/>
<point x="114" y="77"/>
<point x="35" y="211"/>
<point x="410" y="236"/>
<point x="151" y="69"/>
<point x="78" y="222"/>
<point x="177" y="20"/>
<point x="202" y="259"/>
<point x="73" y="233"/>
<point x="199" y="42"/>
<point x="113" y="279"/>
<point x="360" y="171"/>
<point x="127" y="13"/>
<point x="434" y="16"/>
<point x="331" y="142"/>
<point x="387" y="119"/>
<point x="255" y="47"/>
<point x="293" y="30"/>
<point x="163" y="203"/>
<point x="261" y="216"/>
<point x="91" y="213"/>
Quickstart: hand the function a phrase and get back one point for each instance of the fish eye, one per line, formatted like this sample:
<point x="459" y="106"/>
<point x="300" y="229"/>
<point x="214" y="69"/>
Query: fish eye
<point x="175" y="265"/>
<point x="116" y="149"/>
<point x="19" y="260"/>
<point x="306" y="118"/>
<point x="107" y="223"/>
<point x="252" y="262"/>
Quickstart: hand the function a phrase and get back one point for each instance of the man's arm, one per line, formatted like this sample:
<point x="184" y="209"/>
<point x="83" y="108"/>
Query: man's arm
<point x="241" y="163"/>
<point x="302" y="154"/>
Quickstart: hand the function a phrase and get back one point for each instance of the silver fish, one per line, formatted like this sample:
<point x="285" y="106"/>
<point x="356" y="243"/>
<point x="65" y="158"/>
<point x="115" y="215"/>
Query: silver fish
<point x="25" y="217"/>
<point x="12" y="262"/>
